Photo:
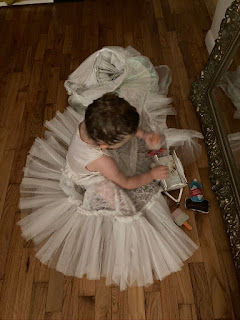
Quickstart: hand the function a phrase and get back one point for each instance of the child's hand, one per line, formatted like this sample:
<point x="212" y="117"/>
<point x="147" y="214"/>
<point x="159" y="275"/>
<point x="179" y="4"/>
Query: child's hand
<point x="159" y="173"/>
<point x="152" y="140"/>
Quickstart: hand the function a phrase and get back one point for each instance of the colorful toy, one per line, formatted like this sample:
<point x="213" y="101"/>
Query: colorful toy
<point x="155" y="144"/>
<point x="180" y="218"/>
<point x="196" y="202"/>
<point x="202" y="206"/>
<point x="152" y="153"/>
<point x="196" y="191"/>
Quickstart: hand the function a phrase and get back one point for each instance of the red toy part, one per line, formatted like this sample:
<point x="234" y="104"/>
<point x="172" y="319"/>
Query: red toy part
<point x="195" y="192"/>
<point x="152" y="153"/>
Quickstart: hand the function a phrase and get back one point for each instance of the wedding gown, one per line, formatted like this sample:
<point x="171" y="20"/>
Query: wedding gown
<point x="81" y="223"/>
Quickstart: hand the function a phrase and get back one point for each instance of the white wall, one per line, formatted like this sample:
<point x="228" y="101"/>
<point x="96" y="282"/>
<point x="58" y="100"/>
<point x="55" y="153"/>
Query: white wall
<point x="219" y="14"/>
<point x="3" y="4"/>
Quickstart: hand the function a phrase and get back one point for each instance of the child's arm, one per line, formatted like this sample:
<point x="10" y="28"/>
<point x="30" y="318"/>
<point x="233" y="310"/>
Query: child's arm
<point x="109" y="169"/>
<point x="140" y="134"/>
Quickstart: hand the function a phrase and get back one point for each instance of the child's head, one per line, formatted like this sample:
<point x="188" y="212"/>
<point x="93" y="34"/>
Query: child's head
<point x="111" y="121"/>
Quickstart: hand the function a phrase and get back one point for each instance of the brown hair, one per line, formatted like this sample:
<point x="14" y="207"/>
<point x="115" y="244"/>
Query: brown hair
<point x="110" y="118"/>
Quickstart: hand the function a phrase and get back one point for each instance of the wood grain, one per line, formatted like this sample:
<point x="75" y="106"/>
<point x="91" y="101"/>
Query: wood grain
<point x="38" y="301"/>
<point x="102" y="301"/>
<point x="44" y="44"/>
<point x="201" y="291"/>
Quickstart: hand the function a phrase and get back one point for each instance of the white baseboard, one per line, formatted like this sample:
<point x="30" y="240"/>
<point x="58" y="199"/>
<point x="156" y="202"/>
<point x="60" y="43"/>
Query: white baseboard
<point x="219" y="14"/>
<point x="209" y="41"/>
<point x="3" y="4"/>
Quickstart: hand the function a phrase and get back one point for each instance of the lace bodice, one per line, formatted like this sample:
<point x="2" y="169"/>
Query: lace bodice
<point x="79" y="155"/>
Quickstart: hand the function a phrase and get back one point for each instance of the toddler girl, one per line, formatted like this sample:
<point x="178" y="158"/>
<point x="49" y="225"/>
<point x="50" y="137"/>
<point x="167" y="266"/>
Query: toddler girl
<point x="92" y="205"/>
<point x="110" y="122"/>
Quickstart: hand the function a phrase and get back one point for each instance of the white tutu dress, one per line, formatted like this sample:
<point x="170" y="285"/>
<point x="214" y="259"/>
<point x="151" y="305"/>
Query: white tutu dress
<point x="82" y="223"/>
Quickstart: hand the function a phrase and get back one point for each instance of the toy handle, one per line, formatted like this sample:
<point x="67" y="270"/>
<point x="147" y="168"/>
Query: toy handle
<point x="187" y="225"/>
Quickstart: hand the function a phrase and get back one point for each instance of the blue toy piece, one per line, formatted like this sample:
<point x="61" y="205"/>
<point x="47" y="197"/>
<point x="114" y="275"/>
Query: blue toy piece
<point x="196" y="191"/>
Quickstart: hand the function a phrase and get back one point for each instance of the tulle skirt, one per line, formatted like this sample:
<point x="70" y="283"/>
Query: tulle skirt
<point x="126" y="249"/>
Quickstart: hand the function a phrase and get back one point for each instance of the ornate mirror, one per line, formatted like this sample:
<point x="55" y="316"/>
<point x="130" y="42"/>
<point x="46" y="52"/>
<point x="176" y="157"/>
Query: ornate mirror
<point x="216" y="96"/>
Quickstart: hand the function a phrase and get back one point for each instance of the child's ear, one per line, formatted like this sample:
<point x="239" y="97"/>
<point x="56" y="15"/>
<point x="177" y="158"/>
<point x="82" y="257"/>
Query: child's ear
<point x="103" y="146"/>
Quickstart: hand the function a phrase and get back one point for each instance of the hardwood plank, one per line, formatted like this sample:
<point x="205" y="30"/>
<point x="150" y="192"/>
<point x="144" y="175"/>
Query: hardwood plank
<point x="5" y="82"/>
<point x="41" y="47"/>
<point x="200" y="10"/>
<point x="68" y="44"/>
<point x="185" y="312"/>
<point x="21" y="58"/>
<point x="15" y="122"/>
<point x="38" y="301"/>
<point x="194" y="312"/>
<point x="115" y="292"/>
<point x="48" y="63"/>
<point x="87" y="309"/>
<point x="53" y="86"/>
<point x="44" y="15"/>
<point x="27" y="70"/>
<point x="136" y="306"/>
<point x="10" y="283"/>
<point x="216" y="284"/>
<point x="102" y="301"/>
<point x="184" y="291"/>
<point x="38" y="115"/>
<point x="168" y="16"/>
<point x="201" y="292"/>
<point x="179" y="67"/>
<point x="153" y="309"/>
<point x="70" y="300"/>
<point x="197" y="9"/>
<point x="118" y="23"/>
<point x="11" y="52"/>
<point x="86" y="287"/>
<point x="217" y="223"/>
<point x="3" y="140"/>
<point x="9" y="106"/>
<point x="24" y="285"/>
<point x="1" y="285"/>
<point x="230" y="282"/>
<point x="211" y="263"/>
<point x="155" y="287"/>
<point x="191" y="42"/>
<point x="55" y="292"/>
<point x="55" y="34"/>
<point x="119" y="303"/>
<point x="41" y="272"/>
<point x="211" y="7"/>
<point x="158" y="12"/>
<point x="7" y="225"/>
<point x="5" y="165"/>
<point x="61" y="101"/>
<point x="65" y="61"/>
<point x="53" y="316"/>
<point x="19" y="162"/>
<point x="33" y="87"/>
<point x="169" y="298"/>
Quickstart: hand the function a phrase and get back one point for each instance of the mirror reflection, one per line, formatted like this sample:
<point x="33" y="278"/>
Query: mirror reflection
<point x="228" y="99"/>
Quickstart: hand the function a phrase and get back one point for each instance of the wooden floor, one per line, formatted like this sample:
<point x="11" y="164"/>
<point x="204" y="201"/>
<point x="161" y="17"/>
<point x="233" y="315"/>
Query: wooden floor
<point x="40" y="46"/>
